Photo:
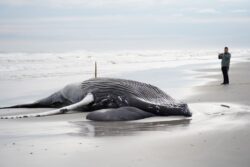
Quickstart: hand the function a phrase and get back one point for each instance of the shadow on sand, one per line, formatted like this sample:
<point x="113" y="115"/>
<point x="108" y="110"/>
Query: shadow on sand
<point x="105" y="129"/>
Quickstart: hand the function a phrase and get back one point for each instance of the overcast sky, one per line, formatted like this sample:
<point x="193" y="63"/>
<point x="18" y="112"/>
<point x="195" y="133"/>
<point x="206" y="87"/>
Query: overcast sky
<point x="65" y="25"/>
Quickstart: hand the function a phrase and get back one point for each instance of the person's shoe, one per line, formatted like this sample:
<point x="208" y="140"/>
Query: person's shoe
<point x="222" y="83"/>
<point x="227" y="83"/>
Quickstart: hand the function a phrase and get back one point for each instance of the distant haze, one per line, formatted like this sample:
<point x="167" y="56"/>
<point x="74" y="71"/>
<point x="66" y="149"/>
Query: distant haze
<point x="60" y="25"/>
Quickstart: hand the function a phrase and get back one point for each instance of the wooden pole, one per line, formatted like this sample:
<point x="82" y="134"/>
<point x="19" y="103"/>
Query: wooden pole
<point x="95" y="69"/>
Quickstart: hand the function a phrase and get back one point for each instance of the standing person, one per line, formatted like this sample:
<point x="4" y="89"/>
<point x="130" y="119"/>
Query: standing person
<point x="225" y="63"/>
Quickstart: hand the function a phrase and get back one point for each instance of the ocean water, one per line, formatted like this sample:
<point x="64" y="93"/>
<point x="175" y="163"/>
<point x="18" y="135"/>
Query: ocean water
<point x="21" y="66"/>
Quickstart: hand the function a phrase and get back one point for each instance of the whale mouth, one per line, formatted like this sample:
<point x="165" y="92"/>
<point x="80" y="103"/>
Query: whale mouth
<point x="187" y="111"/>
<point x="181" y="110"/>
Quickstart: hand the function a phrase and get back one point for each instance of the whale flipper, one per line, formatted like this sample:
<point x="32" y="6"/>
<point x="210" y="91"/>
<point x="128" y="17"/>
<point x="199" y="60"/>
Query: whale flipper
<point x="118" y="114"/>
<point x="89" y="98"/>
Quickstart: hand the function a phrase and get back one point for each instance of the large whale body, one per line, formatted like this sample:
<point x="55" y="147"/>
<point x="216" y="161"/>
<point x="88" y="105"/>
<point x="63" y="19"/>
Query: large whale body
<point x="109" y="99"/>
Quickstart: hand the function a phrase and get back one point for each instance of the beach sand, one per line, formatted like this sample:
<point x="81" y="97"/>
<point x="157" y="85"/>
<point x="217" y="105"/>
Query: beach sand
<point x="236" y="92"/>
<point x="218" y="134"/>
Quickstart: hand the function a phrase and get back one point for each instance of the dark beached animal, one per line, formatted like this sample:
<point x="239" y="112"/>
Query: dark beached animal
<point x="109" y="99"/>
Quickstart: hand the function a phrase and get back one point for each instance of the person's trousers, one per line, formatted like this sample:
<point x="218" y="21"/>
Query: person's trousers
<point x="225" y="74"/>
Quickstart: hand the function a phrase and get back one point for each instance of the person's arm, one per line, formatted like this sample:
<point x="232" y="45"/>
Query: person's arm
<point x="220" y="56"/>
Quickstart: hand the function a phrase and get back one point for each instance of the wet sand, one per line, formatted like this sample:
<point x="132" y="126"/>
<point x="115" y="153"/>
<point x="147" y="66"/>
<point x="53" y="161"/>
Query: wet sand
<point x="218" y="134"/>
<point x="236" y="92"/>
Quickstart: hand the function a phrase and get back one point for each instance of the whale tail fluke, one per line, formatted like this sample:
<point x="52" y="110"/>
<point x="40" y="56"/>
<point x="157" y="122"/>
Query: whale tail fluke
<point x="29" y="105"/>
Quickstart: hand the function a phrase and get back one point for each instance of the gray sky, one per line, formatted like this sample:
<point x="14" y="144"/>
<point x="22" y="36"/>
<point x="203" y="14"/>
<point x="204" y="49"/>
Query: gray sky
<point x="65" y="25"/>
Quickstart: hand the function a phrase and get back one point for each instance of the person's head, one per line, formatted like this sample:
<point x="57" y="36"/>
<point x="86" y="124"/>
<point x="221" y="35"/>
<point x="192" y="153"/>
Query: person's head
<point x="226" y="49"/>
